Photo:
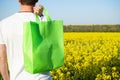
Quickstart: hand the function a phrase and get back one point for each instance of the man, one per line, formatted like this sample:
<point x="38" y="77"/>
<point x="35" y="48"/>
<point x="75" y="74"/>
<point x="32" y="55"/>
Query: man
<point x="11" y="36"/>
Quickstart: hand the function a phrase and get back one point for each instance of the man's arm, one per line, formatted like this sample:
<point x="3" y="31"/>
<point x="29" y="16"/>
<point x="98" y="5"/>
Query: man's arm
<point x="3" y="63"/>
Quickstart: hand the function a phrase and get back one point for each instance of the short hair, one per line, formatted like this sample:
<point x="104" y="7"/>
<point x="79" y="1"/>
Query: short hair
<point x="29" y="2"/>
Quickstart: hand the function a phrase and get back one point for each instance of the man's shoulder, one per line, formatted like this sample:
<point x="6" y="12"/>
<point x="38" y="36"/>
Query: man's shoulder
<point x="9" y="19"/>
<point x="9" y="22"/>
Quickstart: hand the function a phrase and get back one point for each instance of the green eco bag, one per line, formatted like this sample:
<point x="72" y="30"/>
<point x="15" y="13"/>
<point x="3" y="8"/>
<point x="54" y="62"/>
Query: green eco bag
<point x="43" y="45"/>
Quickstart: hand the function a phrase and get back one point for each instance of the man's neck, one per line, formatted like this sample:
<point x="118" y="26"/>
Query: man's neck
<point x="26" y="8"/>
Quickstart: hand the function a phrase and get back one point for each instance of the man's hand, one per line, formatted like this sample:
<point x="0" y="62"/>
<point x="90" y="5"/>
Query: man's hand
<point x="39" y="10"/>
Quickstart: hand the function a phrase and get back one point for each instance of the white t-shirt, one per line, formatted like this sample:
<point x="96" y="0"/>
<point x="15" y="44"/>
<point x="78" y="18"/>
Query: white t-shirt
<point x="11" y="34"/>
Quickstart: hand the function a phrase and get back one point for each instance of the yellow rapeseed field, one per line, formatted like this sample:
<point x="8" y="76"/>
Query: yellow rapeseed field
<point x="90" y="56"/>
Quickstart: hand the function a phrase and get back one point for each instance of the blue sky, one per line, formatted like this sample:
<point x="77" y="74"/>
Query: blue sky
<point x="73" y="11"/>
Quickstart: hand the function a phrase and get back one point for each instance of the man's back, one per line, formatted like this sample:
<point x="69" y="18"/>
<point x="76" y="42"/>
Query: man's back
<point x="12" y="35"/>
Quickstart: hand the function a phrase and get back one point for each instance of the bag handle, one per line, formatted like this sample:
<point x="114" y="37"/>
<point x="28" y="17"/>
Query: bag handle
<point x="46" y="14"/>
